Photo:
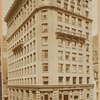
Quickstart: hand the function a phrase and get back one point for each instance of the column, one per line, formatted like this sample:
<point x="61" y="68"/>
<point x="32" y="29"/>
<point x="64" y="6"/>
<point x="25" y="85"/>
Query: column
<point x="80" y="95"/>
<point x="30" y="95"/>
<point x="91" y="94"/>
<point x="55" y="94"/>
<point x="24" y="95"/>
<point x="37" y="95"/>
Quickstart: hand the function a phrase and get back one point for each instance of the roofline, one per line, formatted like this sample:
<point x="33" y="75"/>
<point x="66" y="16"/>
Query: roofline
<point x="15" y="5"/>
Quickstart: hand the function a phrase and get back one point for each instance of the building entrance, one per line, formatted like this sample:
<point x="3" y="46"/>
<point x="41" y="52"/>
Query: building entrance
<point x="65" y="97"/>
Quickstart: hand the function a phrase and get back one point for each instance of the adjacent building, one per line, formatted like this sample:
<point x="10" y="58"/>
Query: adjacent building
<point x="95" y="63"/>
<point x="0" y="49"/>
<point x="4" y="69"/>
<point x="50" y="50"/>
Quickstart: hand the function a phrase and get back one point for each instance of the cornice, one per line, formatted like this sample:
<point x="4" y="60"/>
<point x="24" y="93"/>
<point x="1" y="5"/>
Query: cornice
<point x="36" y="87"/>
<point x="12" y="9"/>
<point x="53" y="8"/>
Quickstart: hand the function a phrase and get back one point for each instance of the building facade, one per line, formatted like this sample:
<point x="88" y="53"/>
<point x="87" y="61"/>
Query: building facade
<point x="4" y="69"/>
<point x="50" y="50"/>
<point x="0" y="48"/>
<point x="95" y="63"/>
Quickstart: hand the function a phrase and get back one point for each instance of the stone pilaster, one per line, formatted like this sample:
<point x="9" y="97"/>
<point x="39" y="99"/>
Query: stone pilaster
<point x="55" y="95"/>
<point x="37" y="95"/>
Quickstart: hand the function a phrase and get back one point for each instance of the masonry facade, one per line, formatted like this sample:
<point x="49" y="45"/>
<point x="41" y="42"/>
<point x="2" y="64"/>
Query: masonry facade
<point x="50" y="50"/>
<point x="95" y="63"/>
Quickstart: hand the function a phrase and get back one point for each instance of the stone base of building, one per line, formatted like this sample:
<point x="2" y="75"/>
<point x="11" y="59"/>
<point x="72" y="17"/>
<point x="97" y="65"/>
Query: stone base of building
<point x="51" y="92"/>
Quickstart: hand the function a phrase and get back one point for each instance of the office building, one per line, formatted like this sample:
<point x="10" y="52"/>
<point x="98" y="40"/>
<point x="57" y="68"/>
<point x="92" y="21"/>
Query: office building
<point x="4" y="69"/>
<point x="50" y="50"/>
<point x="0" y="49"/>
<point x="95" y="63"/>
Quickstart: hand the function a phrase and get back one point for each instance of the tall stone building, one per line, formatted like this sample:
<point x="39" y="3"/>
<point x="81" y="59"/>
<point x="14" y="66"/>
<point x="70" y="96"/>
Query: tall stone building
<point x="0" y="49"/>
<point x="95" y="63"/>
<point x="4" y="68"/>
<point x="50" y="50"/>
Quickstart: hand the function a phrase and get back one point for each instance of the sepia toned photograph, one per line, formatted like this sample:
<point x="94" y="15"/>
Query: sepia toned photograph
<point x="49" y="49"/>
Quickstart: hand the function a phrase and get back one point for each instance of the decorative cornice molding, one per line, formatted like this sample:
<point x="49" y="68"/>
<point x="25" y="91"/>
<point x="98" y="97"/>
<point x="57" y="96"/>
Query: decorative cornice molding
<point x="36" y="87"/>
<point x="53" y="8"/>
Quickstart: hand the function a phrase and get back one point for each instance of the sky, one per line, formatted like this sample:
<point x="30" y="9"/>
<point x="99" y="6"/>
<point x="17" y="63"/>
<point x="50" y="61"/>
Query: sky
<point x="6" y="4"/>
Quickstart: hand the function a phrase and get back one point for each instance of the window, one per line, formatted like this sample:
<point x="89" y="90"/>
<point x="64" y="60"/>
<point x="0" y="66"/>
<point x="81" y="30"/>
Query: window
<point x="59" y="28"/>
<point x="87" y="3"/>
<point x="79" y="22"/>
<point x="76" y="97"/>
<point x="87" y="47"/>
<point x="30" y="69"/>
<point x="73" y="31"/>
<point x="60" y="41"/>
<point x="30" y="46"/>
<point x="60" y="79"/>
<point x="67" y="55"/>
<point x="87" y="36"/>
<point x="65" y="5"/>
<point x="67" y="68"/>
<point x="86" y="13"/>
<point x="34" y="56"/>
<point x="78" y="2"/>
<point x="24" y="38"/>
<point x="78" y="10"/>
<point x="33" y="33"/>
<point x="44" y="40"/>
<point x="34" y="43"/>
<point x="87" y="69"/>
<point x="87" y="25"/>
<point x="88" y="79"/>
<point x="66" y="18"/>
<point x="34" y="80"/>
<point x="45" y="54"/>
<point x="30" y="58"/>
<point x="30" y="34"/>
<point x="60" y="55"/>
<point x="60" y="96"/>
<point x="72" y="1"/>
<point x="73" y="44"/>
<point x="73" y="20"/>
<point x="27" y="48"/>
<point x="60" y="68"/>
<point x="33" y="20"/>
<point x="67" y="80"/>
<point x="80" y="80"/>
<point x="74" y="56"/>
<point x="80" y="45"/>
<point x="72" y="8"/>
<point x="67" y="42"/>
<point x="88" y="96"/>
<point x="44" y="28"/>
<point x="80" y="57"/>
<point x="27" y="37"/>
<point x="45" y="80"/>
<point x="87" y="58"/>
<point x="34" y="69"/>
<point x="59" y="16"/>
<point x="44" y="14"/>
<point x="46" y="97"/>
<point x="67" y="29"/>
<point x="74" y="80"/>
<point x="45" y="67"/>
<point x="59" y="2"/>
<point x="80" y="68"/>
<point x="74" y="69"/>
